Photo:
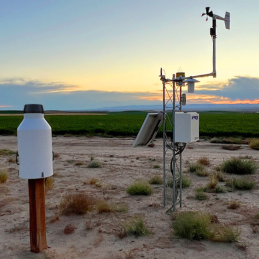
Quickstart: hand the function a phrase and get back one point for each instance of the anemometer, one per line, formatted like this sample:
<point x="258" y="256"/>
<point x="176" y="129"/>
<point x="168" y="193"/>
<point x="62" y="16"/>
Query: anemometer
<point x="179" y="128"/>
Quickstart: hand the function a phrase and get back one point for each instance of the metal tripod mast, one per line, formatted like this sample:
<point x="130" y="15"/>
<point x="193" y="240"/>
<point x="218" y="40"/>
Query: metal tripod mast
<point x="172" y="151"/>
<point x="172" y="103"/>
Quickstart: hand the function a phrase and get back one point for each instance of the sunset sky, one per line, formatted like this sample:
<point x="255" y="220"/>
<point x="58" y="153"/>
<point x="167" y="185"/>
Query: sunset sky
<point x="89" y="54"/>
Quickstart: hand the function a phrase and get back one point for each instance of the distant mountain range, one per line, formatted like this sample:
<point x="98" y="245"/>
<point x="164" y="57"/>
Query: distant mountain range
<point x="189" y="107"/>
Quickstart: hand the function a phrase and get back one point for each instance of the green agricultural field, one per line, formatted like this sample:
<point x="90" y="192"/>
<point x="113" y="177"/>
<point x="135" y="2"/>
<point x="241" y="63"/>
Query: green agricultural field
<point x="128" y="124"/>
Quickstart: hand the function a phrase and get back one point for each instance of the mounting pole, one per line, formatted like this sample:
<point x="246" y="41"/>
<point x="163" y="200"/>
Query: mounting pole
<point x="164" y="139"/>
<point x="38" y="240"/>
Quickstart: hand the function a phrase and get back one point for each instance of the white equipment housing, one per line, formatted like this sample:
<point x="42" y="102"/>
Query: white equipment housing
<point x="148" y="129"/>
<point x="35" y="147"/>
<point x="186" y="127"/>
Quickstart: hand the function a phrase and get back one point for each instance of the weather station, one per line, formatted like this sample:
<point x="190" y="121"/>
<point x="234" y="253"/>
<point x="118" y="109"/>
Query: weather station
<point x="179" y="128"/>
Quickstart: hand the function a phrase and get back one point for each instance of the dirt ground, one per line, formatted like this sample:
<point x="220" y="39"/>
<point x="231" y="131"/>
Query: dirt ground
<point x="95" y="234"/>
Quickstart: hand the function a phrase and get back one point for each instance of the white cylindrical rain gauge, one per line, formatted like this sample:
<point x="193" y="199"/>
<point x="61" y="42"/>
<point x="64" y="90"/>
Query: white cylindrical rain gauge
<point x="34" y="144"/>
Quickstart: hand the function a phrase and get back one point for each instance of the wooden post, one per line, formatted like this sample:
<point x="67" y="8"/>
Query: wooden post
<point x="38" y="238"/>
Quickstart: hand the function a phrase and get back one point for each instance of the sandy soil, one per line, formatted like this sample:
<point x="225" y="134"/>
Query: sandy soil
<point x="121" y="166"/>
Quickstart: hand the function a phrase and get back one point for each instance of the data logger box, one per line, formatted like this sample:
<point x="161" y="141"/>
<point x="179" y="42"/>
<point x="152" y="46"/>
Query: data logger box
<point x="186" y="127"/>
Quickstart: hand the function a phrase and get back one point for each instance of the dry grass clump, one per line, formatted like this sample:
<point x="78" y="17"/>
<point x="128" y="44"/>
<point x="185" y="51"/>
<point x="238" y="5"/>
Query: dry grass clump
<point x="94" y="164"/>
<point x="254" y="144"/>
<point x="200" y="225"/>
<point x="69" y="229"/>
<point x="121" y="207"/>
<point x="239" y="166"/>
<point x="3" y="175"/>
<point x="6" y="152"/>
<point x="186" y="182"/>
<point x="200" y="195"/>
<point x="244" y="183"/>
<point x="220" y="176"/>
<point x="224" y="233"/>
<point x="94" y="181"/>
<point x="213" y="182"/>
<point x="202" y="173"/>
<point x="79" y="163"/>
<point x="204" y="161"/>
<point x="136" y="226"/>
<point x="156" y="179"/>
<point x="76" y="203"/>
<point x="140" y="187"/>
<point x="192" y="225"/>
<point x="103" y="206"/>
<point x="198" y="169"/>
<point x="233" y="205"/>
<point x="194" y="167"/>
<point x="56" y="155"/>
<point x="156" y="166"/>
<point x="230" y="147"/>
<point x="49" y="183"/>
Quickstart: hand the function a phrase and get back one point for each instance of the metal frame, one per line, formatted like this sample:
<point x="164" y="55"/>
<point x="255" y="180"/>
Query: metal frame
<point x="172" y="151"/>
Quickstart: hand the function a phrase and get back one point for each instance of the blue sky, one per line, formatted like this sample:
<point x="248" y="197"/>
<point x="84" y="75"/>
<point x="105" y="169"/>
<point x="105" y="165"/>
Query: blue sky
<point x="84" y="54"/>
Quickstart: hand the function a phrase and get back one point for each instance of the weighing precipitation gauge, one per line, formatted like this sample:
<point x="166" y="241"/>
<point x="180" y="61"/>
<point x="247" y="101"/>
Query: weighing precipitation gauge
<point x="179" y="127"/>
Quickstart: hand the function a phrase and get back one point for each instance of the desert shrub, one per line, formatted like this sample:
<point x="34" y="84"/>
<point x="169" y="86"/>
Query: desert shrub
<point x="224" y="233"/>
<point x="202" y="173"/>
<point x="140" y="188"/>
<point x="156" y="166"/>
<point x="192" y="225"/>
<point x="200" y="225"/>
<point x="94" y="164"/>
<point x="204" y="161"/>
<point x="136" y="226"/>
<point x="186" y="182"/>
<point x="104" y="206"/>
<point x="254" y="144"/>
<point x="239" y="166"/>
<point x="257" y="215"/>
<point x="76" y="203"/>
<point x="234" y="205"/>
<point x="220" y="189"/>
<point x="49" y="183"/>
<point x="156" y="179"/>
<point x="200" y="195"/>
<point x="243" y="183"/>
<point x="194" y="167"/>
<point x="121" y="207"/>
<point x="3" y="175"/>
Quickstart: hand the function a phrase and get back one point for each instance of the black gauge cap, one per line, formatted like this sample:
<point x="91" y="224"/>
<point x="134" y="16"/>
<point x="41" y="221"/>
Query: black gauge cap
<point x="33" y="108"/>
